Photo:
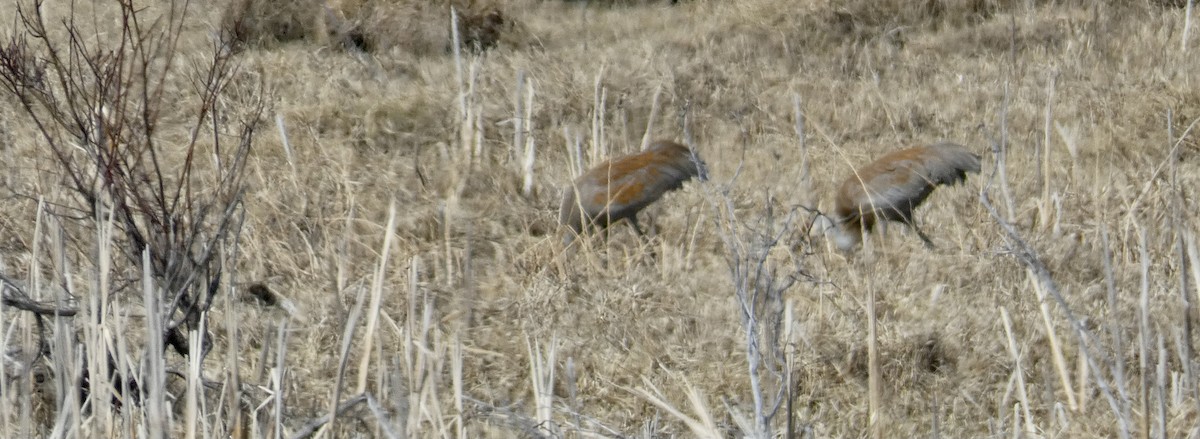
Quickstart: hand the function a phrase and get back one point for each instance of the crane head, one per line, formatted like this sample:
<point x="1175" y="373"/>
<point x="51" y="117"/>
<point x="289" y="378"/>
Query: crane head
<point x="835" y="230"/>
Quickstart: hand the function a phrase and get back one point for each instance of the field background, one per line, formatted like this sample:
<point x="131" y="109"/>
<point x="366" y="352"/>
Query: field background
<point x="480" y="310"/>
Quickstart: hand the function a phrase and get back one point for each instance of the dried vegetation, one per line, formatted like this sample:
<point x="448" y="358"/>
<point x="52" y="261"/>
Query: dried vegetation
<point x="395" y="267"/>
<point x="395" y="27"/>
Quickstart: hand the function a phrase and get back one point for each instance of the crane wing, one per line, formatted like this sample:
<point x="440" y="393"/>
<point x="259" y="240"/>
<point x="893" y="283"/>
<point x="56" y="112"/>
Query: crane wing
<point x="896" y="183"/>
<point x="948" y="163"/>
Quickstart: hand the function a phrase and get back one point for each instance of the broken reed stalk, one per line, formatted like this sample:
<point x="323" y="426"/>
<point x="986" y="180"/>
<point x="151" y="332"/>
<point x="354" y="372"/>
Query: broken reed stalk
<point x="409" y="351"/>
<point x="1116" y="332"/>
<point x="5" y="384"/>
<point x="125" y="386"/>
<point x="688" y="138"/>
<point x="194" y="383"/>
<point x="789" y="361"/>
<point x="432" y="355"/>
<point x="523" y="123"/>
<point x="541" y="375"/>
<point x="599" y="149"/>
<point x="1179" y="391"/>
<point x="470" y="116"/>
<point x="1083" y="391"/>
<point x="1044" y="205"/>
<point x="340" y="271"/>
<point x="1060" y="363"/>
<point x="456" y="382"/>
<point x="572" y="382"/>
<point x="67" y="354"/>
<point x="1160" y="388"/>
<point x="456" y="47"/>
<point x="348" y="330"/>
<point x="1144" y="334"/>
<point x="874" y="399"/>
<point x="26" y="391"/>
<point x="155" y="365"/>
<point x="648" y="136"/>
<point x="422" y="356"/>
<point x="1187" y="26"/>
<point x="518" y="119"/>
<point x="806" y="188"/>
<point x="1070" y="139"/>
<point x="447" y="214"/>
<point x="369" y="333"/>
<point x="287" y="148"/>
<point x="477" y="154"/>
<point x="1018" y="371"/>
<point x="530" y="147"/>
<point x="279" y="376"/>
<point x="98" y="349"/>
<point x="574" y="145"/>
<point x="1002" y="159"/>
<point x="25" y="386"/>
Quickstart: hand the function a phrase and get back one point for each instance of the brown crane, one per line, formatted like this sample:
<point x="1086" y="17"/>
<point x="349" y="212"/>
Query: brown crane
<point x="890" y="188"/>
<point x="621" y="187"/>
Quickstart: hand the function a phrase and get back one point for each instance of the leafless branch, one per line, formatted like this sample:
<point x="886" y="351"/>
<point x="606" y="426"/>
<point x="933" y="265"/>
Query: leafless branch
<point x="1025" y="253"/>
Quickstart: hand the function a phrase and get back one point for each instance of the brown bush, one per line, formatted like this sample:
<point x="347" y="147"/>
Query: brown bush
<point x="419" y="28"/>
<point x="481" y="30"/>
<point x="623" y="2"/>
<point x="268" y="22"/>
<point x="414" y="27"/>
<point x="423" y="28"/>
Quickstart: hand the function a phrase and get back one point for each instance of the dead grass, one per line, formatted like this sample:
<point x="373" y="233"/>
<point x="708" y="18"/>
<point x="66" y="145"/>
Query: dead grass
<point x="482" y="260"/>
<point x="393" y="27"/>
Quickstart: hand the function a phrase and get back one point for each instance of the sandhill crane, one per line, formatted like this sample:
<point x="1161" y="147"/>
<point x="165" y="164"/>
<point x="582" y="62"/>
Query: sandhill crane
<point x="891" y="187"/>
<point x="621" y="187"/>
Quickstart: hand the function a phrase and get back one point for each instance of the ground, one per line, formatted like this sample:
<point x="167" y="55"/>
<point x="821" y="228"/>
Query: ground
<point x="485" y="325"/>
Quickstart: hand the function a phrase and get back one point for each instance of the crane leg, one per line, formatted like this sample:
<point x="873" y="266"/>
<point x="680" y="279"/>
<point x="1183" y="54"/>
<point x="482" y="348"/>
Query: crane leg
<point x="636" y="227"/>
<point x="649" y="244"/>
<point x="603" y="229"/>
<point x="925" y="238"/>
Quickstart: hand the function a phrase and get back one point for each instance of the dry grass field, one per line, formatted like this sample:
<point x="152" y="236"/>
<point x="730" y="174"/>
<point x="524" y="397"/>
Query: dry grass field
<point x="371" y="220"/>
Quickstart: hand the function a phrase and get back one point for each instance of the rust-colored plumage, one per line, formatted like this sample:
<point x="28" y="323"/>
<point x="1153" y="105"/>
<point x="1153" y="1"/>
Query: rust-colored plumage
<point x="890" y="188"/>
<point x="619" y="188"/>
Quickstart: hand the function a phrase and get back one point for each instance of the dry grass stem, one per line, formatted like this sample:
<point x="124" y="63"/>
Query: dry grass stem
<point x="1060" y="362"/>
<point x="1018" y="373"/>
<point x="385" y="261"/>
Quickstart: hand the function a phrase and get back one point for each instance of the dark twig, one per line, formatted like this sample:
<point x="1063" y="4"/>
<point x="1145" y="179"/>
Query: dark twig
<point x="14" y="296"/>
<point x="311" y="426"/>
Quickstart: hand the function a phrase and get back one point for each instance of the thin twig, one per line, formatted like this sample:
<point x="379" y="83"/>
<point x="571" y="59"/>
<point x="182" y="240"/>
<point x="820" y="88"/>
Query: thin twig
<point x="311" y="426"/>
